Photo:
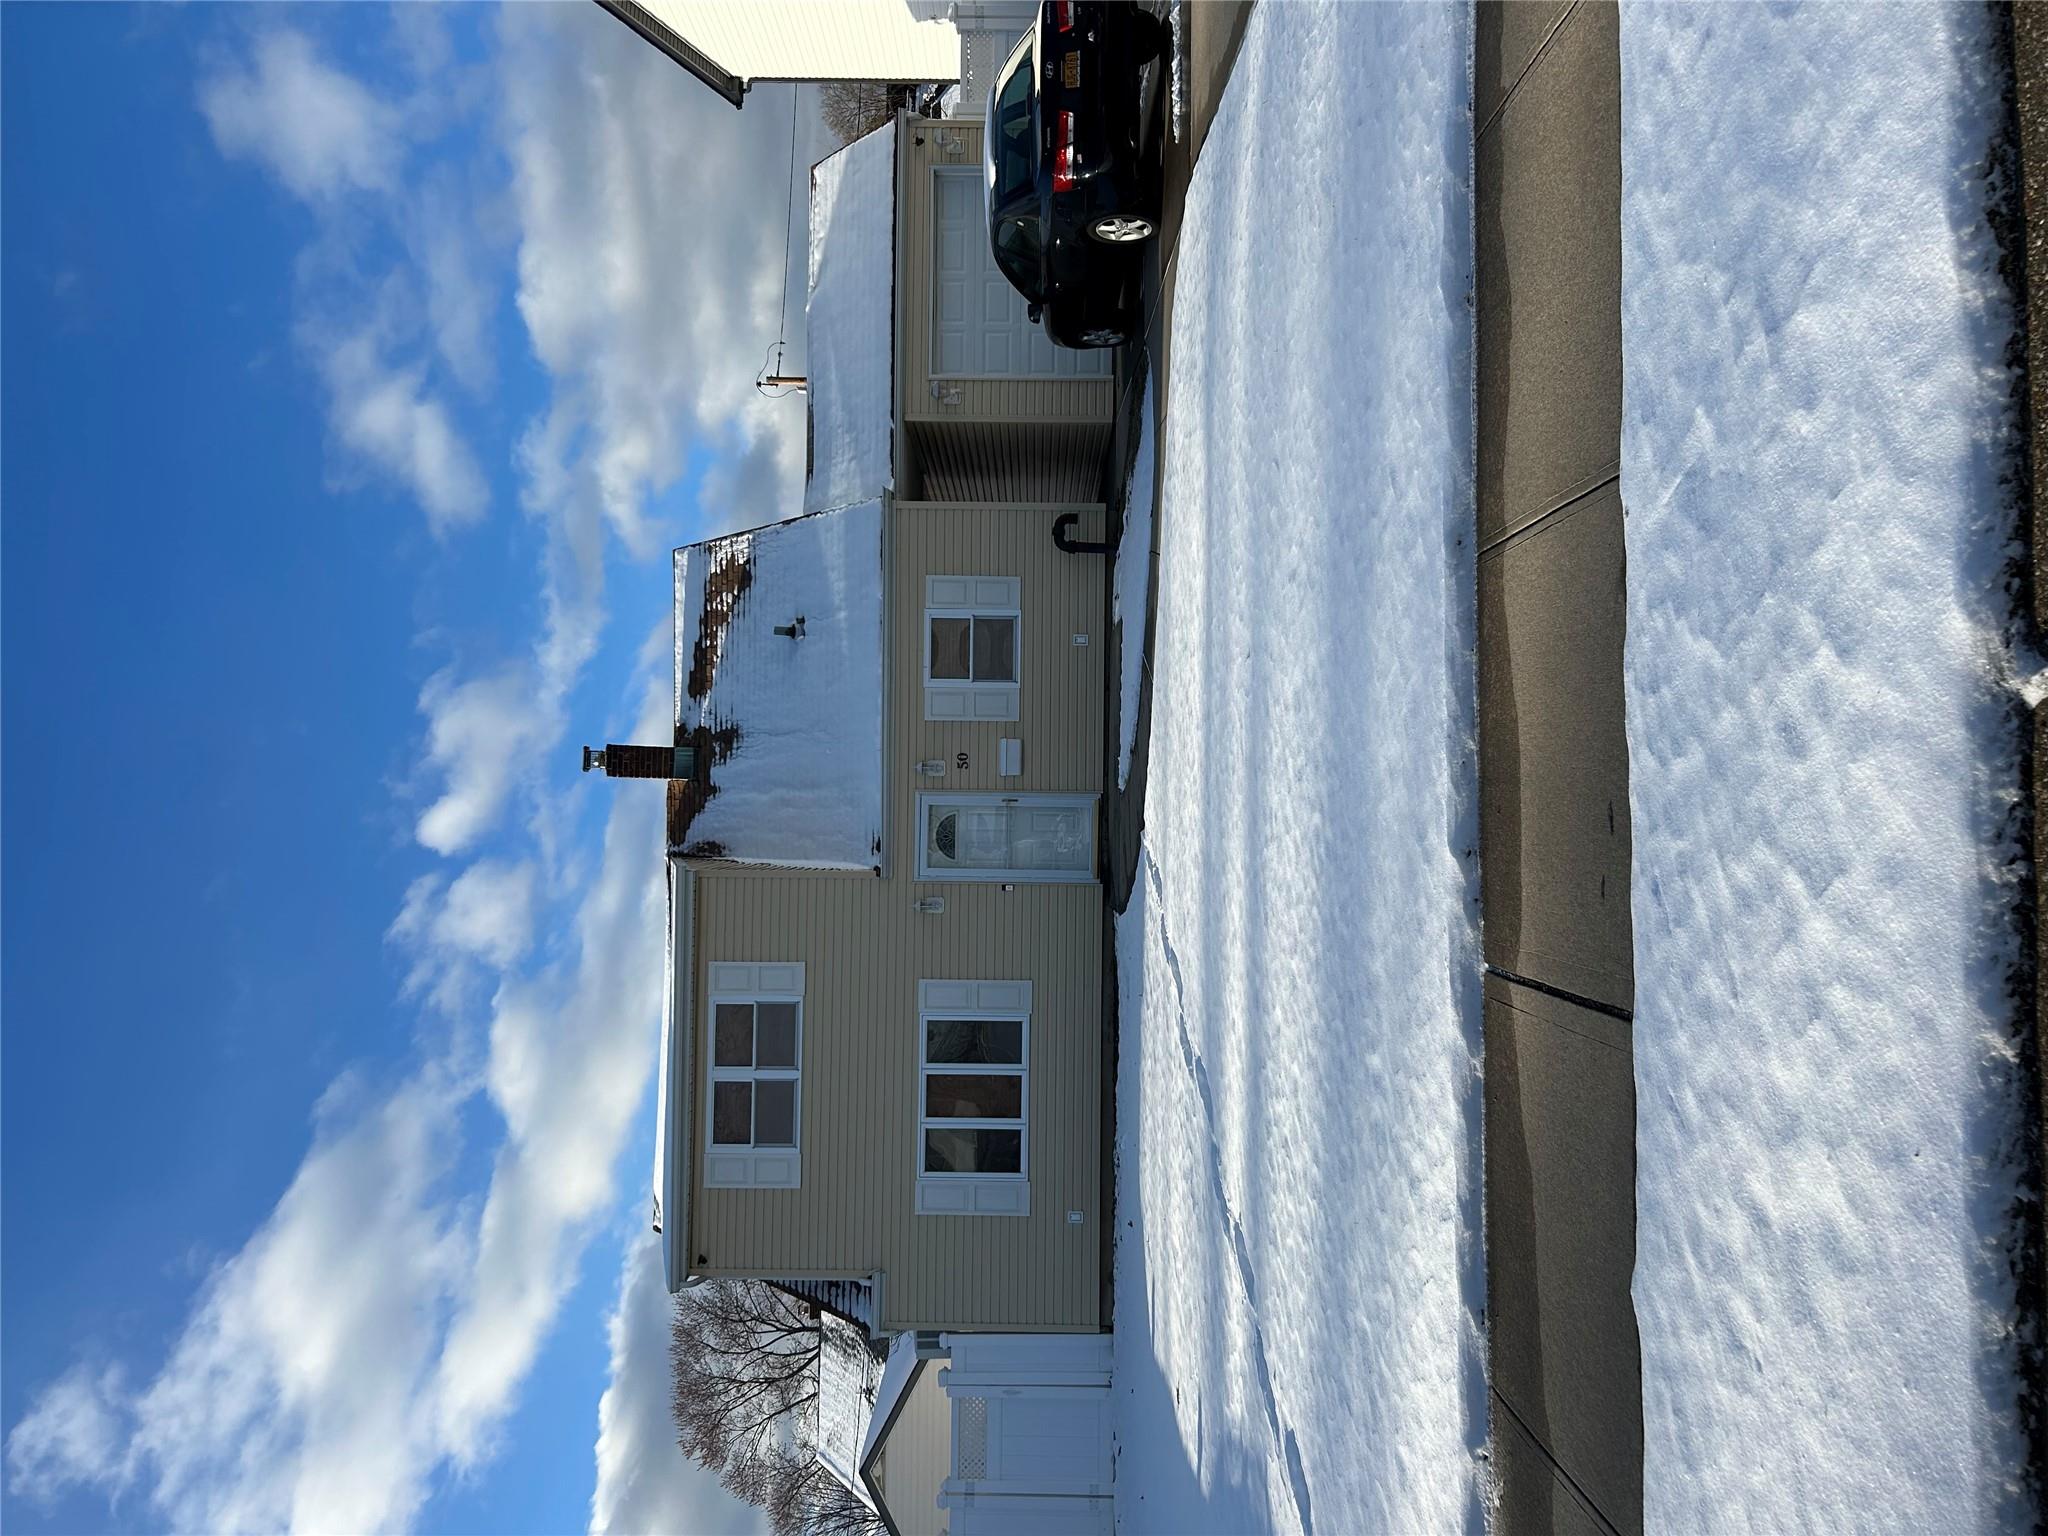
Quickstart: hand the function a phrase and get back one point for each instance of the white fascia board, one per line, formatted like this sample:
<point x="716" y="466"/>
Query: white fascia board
<point x="672" y="1091"/>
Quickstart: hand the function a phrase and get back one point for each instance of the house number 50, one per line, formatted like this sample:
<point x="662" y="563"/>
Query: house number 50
<point x="960" y="761"/>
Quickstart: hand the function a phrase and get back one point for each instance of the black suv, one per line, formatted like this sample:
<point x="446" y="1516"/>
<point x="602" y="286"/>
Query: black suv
<point x="1071" y="197"/>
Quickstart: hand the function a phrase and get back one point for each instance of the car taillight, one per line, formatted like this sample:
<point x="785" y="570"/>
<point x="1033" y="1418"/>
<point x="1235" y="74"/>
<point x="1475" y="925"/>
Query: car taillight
<point x="1063" y="152"/>
<point x="1063" y="15"/>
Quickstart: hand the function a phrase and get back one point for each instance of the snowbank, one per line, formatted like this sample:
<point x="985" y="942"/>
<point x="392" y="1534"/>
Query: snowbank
<point x="1819" y="763"/>
<point x="1298" y="1272"/>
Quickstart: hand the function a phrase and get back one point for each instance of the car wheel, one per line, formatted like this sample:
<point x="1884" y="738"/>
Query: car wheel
<point x="1154" y="35"/>
<point x="1121" y="228"/>
<point x="1103" y="336"/>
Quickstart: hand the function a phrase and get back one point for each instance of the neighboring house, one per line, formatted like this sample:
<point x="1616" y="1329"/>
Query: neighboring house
<point x="849" y="1375"/>
<point x="882" y="1056"/>
<point x="972" y="1435"/>
<point x="732" y="44"/>
<point x="988" y="30"/>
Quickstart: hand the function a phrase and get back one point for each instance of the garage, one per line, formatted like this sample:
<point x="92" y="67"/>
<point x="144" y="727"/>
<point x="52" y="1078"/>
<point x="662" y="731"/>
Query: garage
<point x="980" y="328"/>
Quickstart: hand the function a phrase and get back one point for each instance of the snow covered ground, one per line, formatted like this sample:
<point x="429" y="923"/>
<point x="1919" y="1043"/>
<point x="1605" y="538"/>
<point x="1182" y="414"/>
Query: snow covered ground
<point x="1820" y="766"/>
<point x="1298" y="1343"/>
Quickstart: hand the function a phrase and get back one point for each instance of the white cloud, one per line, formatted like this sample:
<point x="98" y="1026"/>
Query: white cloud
<point x="388" y="417"/>
<point x="481" y="919"/>
<point x="460" y="298"/>
<point x="76" y="1432"/>
<point x="289" y="1399"/>
<point x="319" y="131"/>
<point x="569" y="1060"/>
<point x="645" y="1485"/>
<point x="374" y="1332"/>
<point x="378" y="1325"/>
<point x="484" y="735"/>
<point x="650" y="275"/>
<point x="340" y="148"/>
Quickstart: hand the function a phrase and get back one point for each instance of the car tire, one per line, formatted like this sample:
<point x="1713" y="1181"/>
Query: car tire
<point x="1122" y="228"/>
<point x="1154" y="36"/>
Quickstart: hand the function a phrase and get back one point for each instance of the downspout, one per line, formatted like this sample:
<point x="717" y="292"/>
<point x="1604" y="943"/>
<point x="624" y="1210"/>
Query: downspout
<point x="1071" y="545"/>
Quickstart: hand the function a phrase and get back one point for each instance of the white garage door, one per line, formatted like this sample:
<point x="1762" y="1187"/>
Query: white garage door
<point x="979" y="326"/>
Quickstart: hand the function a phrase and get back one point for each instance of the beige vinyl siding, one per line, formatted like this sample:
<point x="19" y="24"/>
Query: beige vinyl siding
<point x="923" y="145"/>
<point x="1059" y="706"/>
<point x="865" y="948"/>
<point x="917" y="1458"/>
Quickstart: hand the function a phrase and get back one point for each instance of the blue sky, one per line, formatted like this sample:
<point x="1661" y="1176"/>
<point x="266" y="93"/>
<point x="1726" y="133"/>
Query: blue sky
<point x="359" y="367"/>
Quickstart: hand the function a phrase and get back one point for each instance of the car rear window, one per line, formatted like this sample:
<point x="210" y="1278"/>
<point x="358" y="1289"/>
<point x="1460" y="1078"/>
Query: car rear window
<point x="1009" y="129"/>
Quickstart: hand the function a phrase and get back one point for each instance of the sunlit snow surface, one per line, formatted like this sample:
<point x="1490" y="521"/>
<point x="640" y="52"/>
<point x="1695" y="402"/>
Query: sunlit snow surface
<point x="1297" y="1272"/>
<point x="1819" y="767"/>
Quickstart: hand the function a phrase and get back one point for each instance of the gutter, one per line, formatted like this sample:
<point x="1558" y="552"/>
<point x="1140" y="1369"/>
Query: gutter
<point x="679" y="48"/>
<point x="672" y="1127"/>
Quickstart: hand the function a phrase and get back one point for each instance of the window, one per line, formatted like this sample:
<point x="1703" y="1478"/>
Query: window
<point x="973" y="638"/>
<point x="1020" y="252"/>
<point x="1011" y="137"/>
<point x="754" y="1112"/>
<point x="973" y="1128"/>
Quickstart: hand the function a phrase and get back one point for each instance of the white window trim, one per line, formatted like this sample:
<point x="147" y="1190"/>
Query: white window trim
<point x="972" y="1194"/>
<point x="1009" y="694"/>
<point x="926" y="871"/>
<point x="735" y="1167"/>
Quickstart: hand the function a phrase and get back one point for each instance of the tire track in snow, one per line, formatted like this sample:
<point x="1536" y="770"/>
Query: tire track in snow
<point x="1198" y="1073"/>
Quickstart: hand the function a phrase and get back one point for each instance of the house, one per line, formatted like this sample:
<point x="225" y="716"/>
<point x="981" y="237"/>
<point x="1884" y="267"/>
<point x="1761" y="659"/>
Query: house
<point x="988" y="30"/>
<point x="732" y="44"/>
<point x="882" y="1057"/>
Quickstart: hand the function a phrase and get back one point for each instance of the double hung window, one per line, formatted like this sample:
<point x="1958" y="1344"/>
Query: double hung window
<point x="974" y="1095"/>
<point x="973" y="637"/>
<point x="755" y="1014"/>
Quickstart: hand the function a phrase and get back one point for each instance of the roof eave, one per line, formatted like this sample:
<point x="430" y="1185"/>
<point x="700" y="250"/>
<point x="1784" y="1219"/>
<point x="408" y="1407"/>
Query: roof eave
<point x="672" y="1096"/>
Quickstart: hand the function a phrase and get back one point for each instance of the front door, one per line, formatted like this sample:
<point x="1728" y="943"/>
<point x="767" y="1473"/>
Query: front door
<point x="1006" y="837"/>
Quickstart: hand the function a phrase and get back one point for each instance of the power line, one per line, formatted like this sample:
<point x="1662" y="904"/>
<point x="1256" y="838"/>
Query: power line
<point x="788" y="227"/>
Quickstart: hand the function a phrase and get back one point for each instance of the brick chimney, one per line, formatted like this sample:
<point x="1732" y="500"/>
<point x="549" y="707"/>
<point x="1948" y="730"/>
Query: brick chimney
<point x="638" y="762"/>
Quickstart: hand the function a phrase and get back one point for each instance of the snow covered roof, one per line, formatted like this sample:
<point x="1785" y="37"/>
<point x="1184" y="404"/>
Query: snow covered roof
<point x="788" y="728"/>
<point x="850" y="1300"/>
<point x="848" y="1374"/>
<point x="850" y="321"/>
<point x="898" y="1372"/>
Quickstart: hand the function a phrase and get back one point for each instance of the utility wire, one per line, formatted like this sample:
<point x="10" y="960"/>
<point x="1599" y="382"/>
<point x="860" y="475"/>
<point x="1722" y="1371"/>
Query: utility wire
<point x="788" y="227"/>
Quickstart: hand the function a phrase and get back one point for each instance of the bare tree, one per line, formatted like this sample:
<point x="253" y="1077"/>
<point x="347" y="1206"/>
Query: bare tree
<point x="745" y="1399"/>
<point x="855" y="107"/>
